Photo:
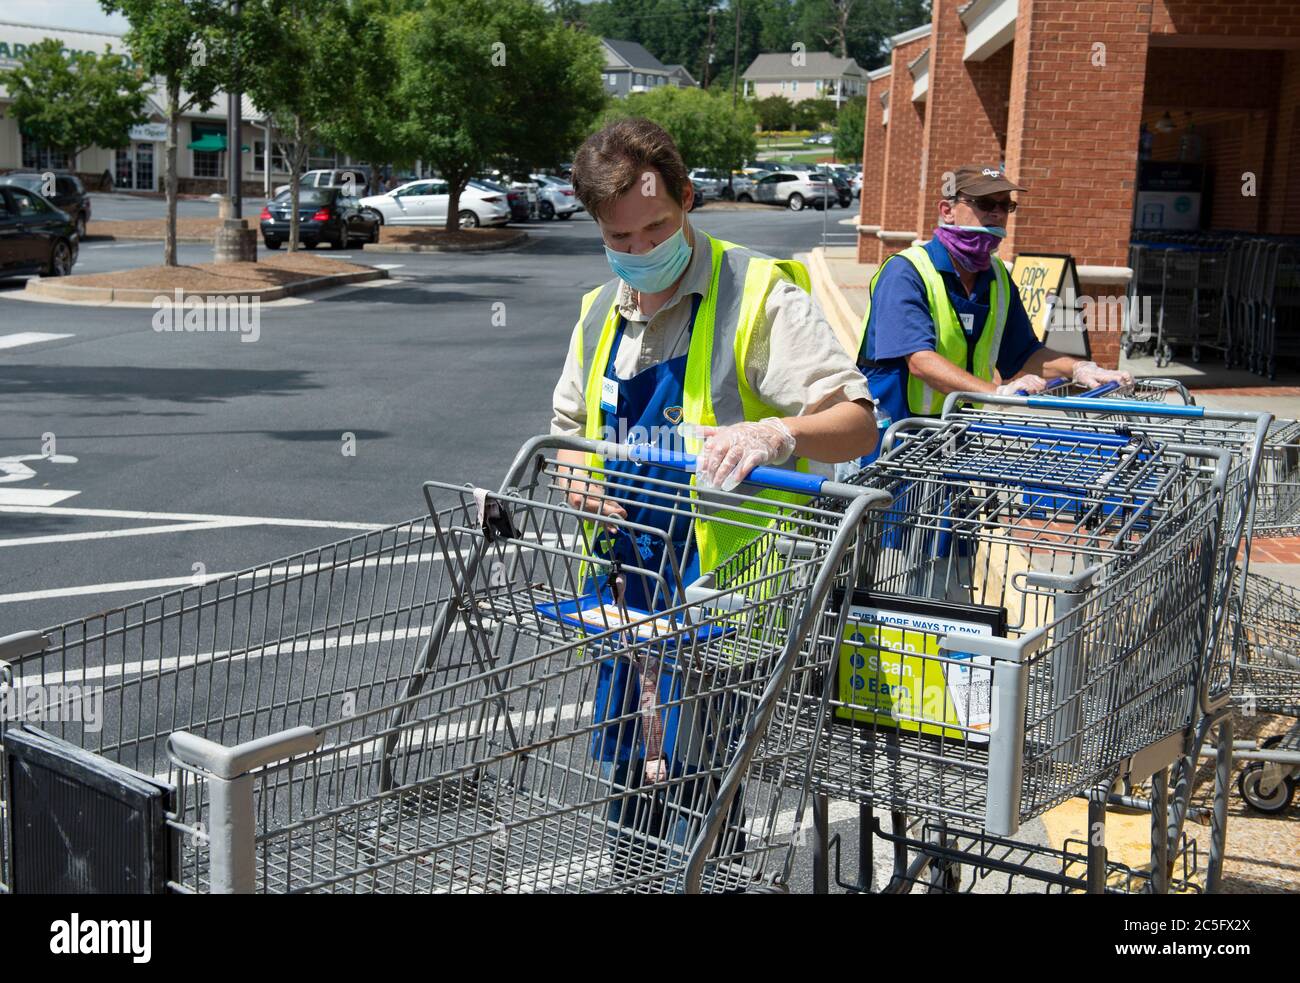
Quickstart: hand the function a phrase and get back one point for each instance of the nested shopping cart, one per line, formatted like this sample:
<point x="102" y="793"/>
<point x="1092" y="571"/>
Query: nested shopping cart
<point x="1034" y="628"/>
<point x="1257" y="471"/>
<point x="471" y="702"/>
<point x="1266" y="679"/>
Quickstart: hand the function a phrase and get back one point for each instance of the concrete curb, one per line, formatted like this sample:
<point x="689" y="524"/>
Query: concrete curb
<point x="834" y="304"/>
<point x="420" y="247"/>
<point x="109" y="295"/>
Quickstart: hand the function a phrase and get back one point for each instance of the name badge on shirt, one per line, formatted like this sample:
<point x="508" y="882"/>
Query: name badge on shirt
<point x="967" y="322"/>
<point x="609" y="394"/>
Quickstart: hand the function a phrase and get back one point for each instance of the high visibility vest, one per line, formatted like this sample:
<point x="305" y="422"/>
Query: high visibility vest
<point x="716" y="386"/>
<point x="950" y="339"/>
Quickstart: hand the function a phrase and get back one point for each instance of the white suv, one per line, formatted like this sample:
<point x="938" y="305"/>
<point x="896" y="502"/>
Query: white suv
<point x="555" y="197"/>
<point x="356" y="176"/>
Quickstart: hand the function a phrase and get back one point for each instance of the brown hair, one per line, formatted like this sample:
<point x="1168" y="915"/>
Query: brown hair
<point x="612" y="159"/>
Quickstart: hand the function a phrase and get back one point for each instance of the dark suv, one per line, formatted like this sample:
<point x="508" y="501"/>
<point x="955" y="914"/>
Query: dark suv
<point x="69" y="195"/>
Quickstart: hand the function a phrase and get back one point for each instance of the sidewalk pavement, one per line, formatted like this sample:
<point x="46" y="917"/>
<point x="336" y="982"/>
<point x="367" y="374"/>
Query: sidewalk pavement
<point x="1261" y="850"/>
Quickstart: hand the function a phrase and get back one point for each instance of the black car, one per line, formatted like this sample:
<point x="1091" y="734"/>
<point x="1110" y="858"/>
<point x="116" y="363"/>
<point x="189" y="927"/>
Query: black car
<point x="35" y="237"/>
<point x="65" y="192"/>
<point x="843" y="189"/>
<point x="324" y="215"/>
<point x="520" y="209"/>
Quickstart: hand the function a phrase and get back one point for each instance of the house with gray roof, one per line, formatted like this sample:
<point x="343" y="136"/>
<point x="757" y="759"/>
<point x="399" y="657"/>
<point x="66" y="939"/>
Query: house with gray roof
<point x="800" y="75"/>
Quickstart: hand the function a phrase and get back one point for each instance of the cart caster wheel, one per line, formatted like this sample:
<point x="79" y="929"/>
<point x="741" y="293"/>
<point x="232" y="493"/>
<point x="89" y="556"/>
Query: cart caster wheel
<point x="1278" y="800"/>
<point x="943" y="878"/>
<point x="1128" y="351"/>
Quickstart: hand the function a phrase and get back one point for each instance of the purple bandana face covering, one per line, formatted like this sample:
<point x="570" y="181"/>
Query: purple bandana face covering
<point x="972" y="247"/>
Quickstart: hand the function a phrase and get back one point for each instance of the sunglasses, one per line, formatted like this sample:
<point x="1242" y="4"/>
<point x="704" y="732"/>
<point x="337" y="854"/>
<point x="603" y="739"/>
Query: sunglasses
<point x="985" y="203"/>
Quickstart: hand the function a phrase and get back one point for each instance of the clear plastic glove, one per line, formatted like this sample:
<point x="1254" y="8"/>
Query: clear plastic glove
<point x="1027" y="384"/>
<point x="730" y="453"/>
<point x="1090" y="375"/>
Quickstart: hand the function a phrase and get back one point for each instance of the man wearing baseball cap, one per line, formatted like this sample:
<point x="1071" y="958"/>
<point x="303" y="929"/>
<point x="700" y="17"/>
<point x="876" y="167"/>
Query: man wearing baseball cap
<point x="945" y="317"/>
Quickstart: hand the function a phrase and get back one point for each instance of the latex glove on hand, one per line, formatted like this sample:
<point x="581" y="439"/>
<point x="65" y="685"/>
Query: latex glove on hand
<point x="1090" y="375"/>
<point x="730" y="453"/>
<point x="1026" y="385"/>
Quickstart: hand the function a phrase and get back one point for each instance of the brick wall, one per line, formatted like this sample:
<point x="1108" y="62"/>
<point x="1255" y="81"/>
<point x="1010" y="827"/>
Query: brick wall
<point x="1265" y="19"/>
<point x="1282" y="187"/>
<point x="873" y="170"/>
<point x="903" y="145"/>
<point x="1072" y="132"/>
<point x="965" y="111"/>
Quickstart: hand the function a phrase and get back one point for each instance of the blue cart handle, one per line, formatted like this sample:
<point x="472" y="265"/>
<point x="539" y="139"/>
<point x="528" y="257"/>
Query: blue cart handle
<point x="1085" y="404"/>
<point x="1051" y="384"/>
<point x="776" y="478"/>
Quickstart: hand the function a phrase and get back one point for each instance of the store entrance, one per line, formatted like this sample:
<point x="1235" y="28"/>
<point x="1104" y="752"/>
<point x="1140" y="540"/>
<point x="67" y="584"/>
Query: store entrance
<point x="135" y="170"/>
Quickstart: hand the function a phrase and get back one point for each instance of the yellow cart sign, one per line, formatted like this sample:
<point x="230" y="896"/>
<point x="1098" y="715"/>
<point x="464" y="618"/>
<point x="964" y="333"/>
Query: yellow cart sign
<point x="892" y="673"/>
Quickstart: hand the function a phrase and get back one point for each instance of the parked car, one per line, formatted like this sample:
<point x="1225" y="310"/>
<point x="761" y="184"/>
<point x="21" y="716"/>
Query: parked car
<point x="520" y="209"/>
<point x="68" y="194"/>
<point x="793" y="190"/>
<point x="425" y="203"/>
<point x="856" y="184"/>
<point x="843" y="191"/>
<point x="336" y="178"/>
<point x="35" y="237"/>
<point x="743" y="183"/>
<point x="555" y="197"/>
<point x="324" y="215"/>
<point x="713" y="184"/>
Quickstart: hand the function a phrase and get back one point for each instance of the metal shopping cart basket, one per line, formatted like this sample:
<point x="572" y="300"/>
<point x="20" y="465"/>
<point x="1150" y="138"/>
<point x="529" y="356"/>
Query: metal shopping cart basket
<point x="1252" y="441"/>
<point x="1266" y="679"/>
<point x="430" y="710"/>
<point x="1034" y="626"/>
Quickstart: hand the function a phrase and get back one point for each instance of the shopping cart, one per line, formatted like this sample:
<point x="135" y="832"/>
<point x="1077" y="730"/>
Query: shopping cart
<point x="460" y="743"/>
<point x="1267" y="680"/>
<point x="1250" y="440"/>
<point x="1034" y="628"/>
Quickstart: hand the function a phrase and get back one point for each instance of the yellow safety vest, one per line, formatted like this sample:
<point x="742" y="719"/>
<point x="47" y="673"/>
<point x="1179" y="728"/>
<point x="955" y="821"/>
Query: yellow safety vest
<point x="716" y="387"/>
<point x="950" y="339"/>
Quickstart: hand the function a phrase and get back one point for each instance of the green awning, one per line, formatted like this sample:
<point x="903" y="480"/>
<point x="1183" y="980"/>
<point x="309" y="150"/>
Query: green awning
<point x="210" y="142"/>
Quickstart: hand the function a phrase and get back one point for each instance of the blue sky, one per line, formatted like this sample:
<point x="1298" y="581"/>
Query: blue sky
<point x="84" y="14"/>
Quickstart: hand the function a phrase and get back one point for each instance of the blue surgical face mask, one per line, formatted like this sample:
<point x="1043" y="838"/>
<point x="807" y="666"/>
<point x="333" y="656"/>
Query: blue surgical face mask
<point x="656" y="270"/>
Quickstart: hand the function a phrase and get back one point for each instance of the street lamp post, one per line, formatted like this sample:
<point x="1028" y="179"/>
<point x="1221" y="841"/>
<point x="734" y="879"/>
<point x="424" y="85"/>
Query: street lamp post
<point x="234" y="99"/>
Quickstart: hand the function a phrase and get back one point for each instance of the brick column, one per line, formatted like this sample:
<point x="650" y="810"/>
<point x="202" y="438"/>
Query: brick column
<point x="966" y="110"/>
<point x="873" y="170"/>
<point x="903" y="142"/>
<point x="1072" y="133"/>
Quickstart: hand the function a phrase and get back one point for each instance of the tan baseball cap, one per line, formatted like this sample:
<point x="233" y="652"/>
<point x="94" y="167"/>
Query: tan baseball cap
<point x="980" y="179"/>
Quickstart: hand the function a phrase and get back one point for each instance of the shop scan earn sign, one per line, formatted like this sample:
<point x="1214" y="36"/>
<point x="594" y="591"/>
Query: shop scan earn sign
<point x="1049" y="289"/>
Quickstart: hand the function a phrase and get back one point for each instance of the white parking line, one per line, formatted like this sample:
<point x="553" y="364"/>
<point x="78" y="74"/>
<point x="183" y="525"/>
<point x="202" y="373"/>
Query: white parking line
<point x="162" y="583"/>
<point x="43" y="497"/>
<point x="389" y="266"/>
<point x="193" y="517"/>
<point x="75" y="537"/>
<point x="29" y="338"/>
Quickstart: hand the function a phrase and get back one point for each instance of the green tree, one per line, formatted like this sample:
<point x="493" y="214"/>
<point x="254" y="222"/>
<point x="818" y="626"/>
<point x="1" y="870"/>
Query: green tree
<point x="367" y="124"/>
<point x="849" y="130"/>
<point x="178" y="42"/>
<point x="707" y="130"/>
<point x="774" y="113"/>
<point x="76" y="101"/>
<point x="483" y="80"/>
<point x="810" y="114"/>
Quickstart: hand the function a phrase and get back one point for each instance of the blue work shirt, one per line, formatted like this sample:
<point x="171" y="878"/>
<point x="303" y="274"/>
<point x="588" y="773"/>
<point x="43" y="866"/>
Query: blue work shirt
<point x="900" y="323"/>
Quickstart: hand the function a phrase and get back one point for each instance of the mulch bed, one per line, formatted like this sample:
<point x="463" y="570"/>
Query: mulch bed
<point x="186" y="228"/>
<point x="273" y="271"/>
<point x="428" y="236"/>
